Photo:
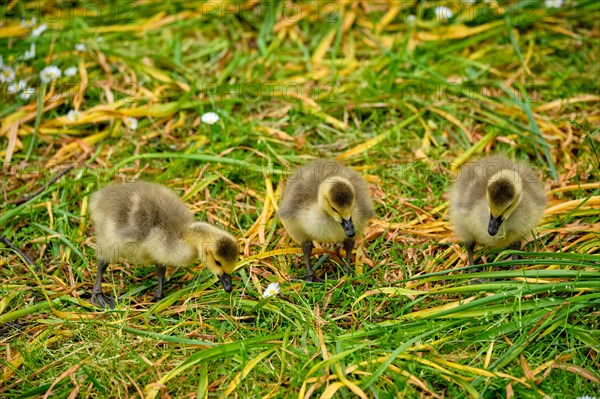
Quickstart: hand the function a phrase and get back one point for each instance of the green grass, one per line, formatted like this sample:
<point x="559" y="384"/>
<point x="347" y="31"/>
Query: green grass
<point x="409" y="324"/>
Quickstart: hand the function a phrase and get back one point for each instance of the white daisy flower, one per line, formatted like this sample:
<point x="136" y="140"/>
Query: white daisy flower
<point x="442" y="13"/>
<point x="29" y="54"/>
<point x="73" y="115"/>
<point x="210" y="118"/>
<point x="131" y="123"/>
<point x="554" y="3"/>
<point x="7" y="74"/>
<point x="14" y="88"/>
<point x="80" y="47"/>
<point x="39" y="30"/>
<point x="272" y="290"/>
<point x="50" y="73"/>
<point x="27" y="93"/>
<point x="71" y="71"/>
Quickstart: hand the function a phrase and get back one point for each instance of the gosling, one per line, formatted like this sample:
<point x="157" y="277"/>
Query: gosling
<point x="147" y="223"/>
<point x="326" y="202"/>
<point x="497" y="202"/>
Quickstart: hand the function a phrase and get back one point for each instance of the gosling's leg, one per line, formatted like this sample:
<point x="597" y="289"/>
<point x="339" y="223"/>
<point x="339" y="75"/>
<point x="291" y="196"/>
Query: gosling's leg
<point x="160" y="273"/>
<point x="307" y="247"/>
<point x="348" y="247"/>
<point x="470" y="249"/>
<point x="516" y="246"/>
<point x="98" y="297"/>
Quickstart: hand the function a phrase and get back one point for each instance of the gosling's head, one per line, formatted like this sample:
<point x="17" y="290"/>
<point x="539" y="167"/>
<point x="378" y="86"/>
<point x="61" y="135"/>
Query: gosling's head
<point x="221" y="259"/>
<point x="218" y="250"/>
<point x="503" y="196"/>
<point x="336" y="197"/>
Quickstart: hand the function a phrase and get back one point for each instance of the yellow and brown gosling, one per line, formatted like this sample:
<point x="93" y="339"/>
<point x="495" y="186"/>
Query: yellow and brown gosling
<point x="146" y="223"/>
<point x="497" y="202"/>
<point x="325" y="201"/>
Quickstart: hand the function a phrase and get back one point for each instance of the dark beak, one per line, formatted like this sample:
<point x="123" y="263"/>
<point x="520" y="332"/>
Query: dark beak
<point x="494" y="225"/>
<point x="348" y="227"/>
<point x="226" y="281"/>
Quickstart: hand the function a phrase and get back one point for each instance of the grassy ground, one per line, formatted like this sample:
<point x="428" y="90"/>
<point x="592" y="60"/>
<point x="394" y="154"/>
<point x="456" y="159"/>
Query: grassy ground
<point x="401" y="102"/>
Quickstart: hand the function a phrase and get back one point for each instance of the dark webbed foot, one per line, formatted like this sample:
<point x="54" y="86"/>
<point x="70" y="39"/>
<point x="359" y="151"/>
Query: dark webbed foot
<point x="156" y="298"/>
<point x="103" y="301"/>
<point x="348" y="270"/>
<point x="98" y="298"/>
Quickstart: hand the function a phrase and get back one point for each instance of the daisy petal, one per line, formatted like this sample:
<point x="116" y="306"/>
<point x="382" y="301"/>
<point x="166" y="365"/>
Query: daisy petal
<point x="210" y="118"/>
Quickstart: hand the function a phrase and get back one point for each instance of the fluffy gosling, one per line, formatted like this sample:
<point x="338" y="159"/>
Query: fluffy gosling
<point x="147" y="223"/>
<point x="326" y="202"/>
<point x="497" y="202"/>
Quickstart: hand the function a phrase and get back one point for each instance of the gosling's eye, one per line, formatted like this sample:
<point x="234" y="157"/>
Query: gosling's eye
<point x="218" y="262"/>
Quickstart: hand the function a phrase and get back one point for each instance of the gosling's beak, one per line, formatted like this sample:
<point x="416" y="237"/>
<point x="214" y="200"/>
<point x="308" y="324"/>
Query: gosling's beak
<point x="348" y="227"/>
<point x="494" y="225"/>
<point x="226" y="280"/>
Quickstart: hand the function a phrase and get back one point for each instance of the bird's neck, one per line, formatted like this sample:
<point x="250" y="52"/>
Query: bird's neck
<point x="200" y="236"/>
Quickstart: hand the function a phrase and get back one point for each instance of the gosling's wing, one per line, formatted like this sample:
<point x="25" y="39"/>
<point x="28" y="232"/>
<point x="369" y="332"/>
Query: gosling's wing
<point x="133" y="210"/>
<point x="109" y="211"/>
<point x="160" y="208"/>
<point x="300" y="191"/>
<point x="110" y="208"/>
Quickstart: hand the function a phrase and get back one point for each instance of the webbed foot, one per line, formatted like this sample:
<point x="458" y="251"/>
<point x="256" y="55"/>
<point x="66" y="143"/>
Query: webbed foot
<point x="103" y="301"/>
<point x="348" y="270"/>
<point x="156" y="298"/>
